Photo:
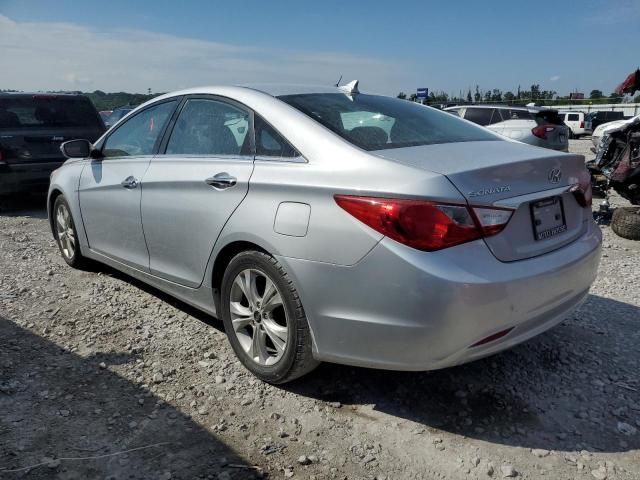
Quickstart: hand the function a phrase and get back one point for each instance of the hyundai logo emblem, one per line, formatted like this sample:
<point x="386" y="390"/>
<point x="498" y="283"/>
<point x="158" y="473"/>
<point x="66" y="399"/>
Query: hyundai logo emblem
<point x="555" y="175"/>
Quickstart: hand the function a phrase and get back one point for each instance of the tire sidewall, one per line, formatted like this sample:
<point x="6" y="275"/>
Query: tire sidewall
<point x="278" y="371"/>
<point x="75" y="259"/>
<point x="625" y="222"/>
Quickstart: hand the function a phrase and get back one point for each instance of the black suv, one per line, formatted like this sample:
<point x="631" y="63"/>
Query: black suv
<point x="32" y="127"/>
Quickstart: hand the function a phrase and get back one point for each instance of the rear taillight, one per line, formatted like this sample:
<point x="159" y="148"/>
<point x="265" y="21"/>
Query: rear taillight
<point x="582" y="124"/>
<point x="542" y="130"/>
<point x="422" y="224"/>
<point x="582" y="190"/>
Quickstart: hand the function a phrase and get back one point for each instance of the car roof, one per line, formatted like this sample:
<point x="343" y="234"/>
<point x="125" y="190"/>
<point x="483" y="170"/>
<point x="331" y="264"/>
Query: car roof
<point x="276" y="90"/>
<point x="273" y="90"/>
<point x="509" y="107"/>
<point x="505" y="107"/>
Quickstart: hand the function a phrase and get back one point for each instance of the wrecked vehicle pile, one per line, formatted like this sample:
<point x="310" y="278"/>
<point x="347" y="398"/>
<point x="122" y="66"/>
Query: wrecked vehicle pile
<point x="617" y="166"/>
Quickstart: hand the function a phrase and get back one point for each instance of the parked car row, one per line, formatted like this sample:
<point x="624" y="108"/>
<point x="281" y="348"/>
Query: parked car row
<point x="117" y="114"/>
<point x="536" y="126"/>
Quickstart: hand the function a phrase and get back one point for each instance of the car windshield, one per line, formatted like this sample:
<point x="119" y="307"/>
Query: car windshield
<point x="374" y="122"/>
<point x="47" y="112"/>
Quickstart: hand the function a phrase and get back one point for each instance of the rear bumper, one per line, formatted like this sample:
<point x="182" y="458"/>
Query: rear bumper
<point x="26" y="177"/>
<point x="403" y="309"/>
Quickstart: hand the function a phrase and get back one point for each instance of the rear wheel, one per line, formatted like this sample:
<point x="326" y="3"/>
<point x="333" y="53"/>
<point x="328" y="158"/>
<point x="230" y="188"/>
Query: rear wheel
<point x="66" y="234"/>
<point x="264" y="318"/>
<point x="626" y="222"/>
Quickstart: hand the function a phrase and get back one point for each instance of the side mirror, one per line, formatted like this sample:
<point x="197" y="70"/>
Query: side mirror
<point x="76" y="148"/>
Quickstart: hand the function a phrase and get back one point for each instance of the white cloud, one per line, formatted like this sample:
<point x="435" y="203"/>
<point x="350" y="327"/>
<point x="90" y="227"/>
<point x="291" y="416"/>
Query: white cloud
<point x="61" y="56"/>
<point x="614" y="12"/>
<point x="555" y="78"/>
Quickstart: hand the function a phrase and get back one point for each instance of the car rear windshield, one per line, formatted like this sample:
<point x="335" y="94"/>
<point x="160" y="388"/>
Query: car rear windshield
<point x="375" y="122"/>
<point x="47" y="112"/>
<point x="549" y="117"/>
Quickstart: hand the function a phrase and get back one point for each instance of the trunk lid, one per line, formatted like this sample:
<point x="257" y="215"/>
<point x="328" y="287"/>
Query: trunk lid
<point x="510" y="175"/>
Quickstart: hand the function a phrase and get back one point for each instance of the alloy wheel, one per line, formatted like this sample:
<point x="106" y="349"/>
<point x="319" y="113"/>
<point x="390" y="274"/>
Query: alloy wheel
<point x="258" y="316"/>
<point x="65" y="231"/>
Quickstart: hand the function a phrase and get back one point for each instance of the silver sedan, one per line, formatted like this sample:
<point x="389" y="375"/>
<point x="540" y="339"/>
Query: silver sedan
<point x="326" y="224"/>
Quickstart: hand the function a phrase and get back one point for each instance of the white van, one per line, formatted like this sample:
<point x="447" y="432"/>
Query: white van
<point x="575" y="122"/>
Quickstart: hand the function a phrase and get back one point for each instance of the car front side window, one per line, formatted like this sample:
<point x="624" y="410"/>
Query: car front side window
<point x="139" y="134"/>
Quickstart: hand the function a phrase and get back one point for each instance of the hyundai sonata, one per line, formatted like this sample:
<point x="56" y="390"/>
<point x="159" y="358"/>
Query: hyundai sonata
<point x="326" y="224"/>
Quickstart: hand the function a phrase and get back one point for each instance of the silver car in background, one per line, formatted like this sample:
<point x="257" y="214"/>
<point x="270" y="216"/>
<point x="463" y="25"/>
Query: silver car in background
<point x="541" y="127"/>
<point x="325" y="224"/>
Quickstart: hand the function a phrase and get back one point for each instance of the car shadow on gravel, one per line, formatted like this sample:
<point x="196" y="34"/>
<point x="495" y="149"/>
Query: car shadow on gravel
<point x="566" y="390"/>
<point x="59" y="406"/>
<point x="32" y="205"/>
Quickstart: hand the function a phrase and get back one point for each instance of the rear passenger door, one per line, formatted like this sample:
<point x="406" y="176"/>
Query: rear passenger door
<point x="194" y="184"/>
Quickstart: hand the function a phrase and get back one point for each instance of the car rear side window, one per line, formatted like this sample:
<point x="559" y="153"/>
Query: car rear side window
<point x="573" y="117"/>
<point x="481" y="116"/>
<point x="515" y="114"/>
<point x="210" y="127"/>
<point x="48" y="111"/>
<point x="270" y="143"/>
<point x="496" y="117"/>
<point x="374" y="122"/>
<point x="138" y="135"/>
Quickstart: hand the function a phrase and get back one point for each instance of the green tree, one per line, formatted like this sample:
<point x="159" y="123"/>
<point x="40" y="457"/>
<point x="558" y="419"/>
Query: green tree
<point x="616" y="97"/>
<point x="402" y="95"/>
<point x="509" y="97"/>
<point x="596" y="94"/>
<point x="469" y="98"/>
<point x="477" y="96"/>
<point x="535" y="92"/>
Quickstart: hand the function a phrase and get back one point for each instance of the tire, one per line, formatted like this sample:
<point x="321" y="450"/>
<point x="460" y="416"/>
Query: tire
<point x="66" y="235"/>
<point x="256" y="328"/>
<point x="626" y="222"/>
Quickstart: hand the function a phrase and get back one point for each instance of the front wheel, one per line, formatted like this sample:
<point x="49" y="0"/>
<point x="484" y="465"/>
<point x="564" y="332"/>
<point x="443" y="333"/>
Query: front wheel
<point x="264" y="319"/>
<point x="66" y="234"/>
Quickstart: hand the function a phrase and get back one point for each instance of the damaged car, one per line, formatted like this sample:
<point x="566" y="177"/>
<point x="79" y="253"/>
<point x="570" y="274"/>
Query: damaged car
<point x="617" y="167"/>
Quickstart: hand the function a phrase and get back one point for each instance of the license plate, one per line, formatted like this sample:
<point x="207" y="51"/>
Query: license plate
<point x="548" y="218"/>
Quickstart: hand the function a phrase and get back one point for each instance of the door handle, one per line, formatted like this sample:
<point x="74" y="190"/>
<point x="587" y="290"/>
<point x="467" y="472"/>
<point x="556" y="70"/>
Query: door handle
<point x="129" y="182"/>
<point x="221" y="181"/>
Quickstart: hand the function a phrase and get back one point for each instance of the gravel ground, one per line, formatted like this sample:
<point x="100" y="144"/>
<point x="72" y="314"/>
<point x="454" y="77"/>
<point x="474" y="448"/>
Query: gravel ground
<point x="104" y="377"/>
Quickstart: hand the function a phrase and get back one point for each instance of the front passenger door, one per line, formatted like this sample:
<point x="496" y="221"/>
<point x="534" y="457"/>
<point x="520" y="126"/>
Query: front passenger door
<point x="192" y="189"/>
<point x="110" y="187"/>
